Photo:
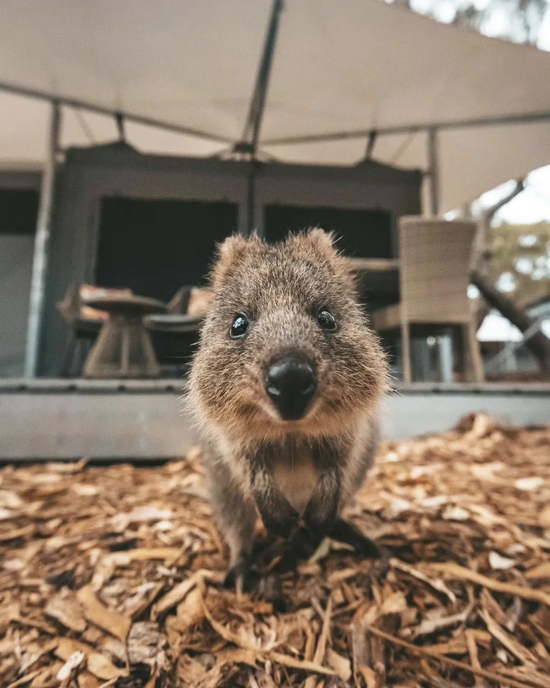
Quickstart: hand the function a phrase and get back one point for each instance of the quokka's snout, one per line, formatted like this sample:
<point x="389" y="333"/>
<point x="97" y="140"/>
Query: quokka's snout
<point x="291" y="383"/>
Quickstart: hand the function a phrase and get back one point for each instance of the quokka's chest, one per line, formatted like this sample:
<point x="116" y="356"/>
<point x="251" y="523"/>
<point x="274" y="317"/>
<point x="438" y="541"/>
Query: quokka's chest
<point x="296" y="475"/>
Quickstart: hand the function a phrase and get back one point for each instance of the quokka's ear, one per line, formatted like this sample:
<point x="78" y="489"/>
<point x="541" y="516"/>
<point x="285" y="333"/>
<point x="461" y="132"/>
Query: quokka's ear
<point x="317" y="240"/>
<point x="321" y="239"/>
<point x="228" y="254"/>
<point x="323" y="245"/>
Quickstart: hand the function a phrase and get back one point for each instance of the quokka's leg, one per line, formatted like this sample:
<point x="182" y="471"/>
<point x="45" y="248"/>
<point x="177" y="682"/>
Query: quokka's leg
<point x="235" y="515"/>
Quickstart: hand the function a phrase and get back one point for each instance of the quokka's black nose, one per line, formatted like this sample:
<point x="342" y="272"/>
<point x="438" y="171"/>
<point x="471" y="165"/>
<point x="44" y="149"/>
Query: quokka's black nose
<point x="291" y="384"/>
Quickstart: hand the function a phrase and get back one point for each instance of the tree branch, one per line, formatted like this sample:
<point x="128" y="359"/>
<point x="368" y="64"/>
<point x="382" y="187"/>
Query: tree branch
<point x="538" y="344"/>
<point x="489" y="213"/>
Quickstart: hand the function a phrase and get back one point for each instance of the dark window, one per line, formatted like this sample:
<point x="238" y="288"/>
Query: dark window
<point x="18" y="211"/>
<point x="155" y="247"/>
<point x="363" y="233"/>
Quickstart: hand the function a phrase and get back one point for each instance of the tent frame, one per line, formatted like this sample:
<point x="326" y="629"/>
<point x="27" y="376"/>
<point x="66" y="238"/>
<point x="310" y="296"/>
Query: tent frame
<point x="248" y="147"/>
<point x="433" y="170"/>
<point x="245" y="147"/>
<point x="41" y="244"/>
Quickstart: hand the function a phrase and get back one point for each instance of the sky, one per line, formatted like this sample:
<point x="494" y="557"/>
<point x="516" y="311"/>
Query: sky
<point x="533" y="204"/>
<point x="530" y="206"/>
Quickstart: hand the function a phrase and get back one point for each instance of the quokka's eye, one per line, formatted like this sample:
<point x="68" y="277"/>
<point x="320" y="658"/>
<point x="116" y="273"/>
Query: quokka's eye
<point x="326" y="320"/>
<point x="239" y="326"/>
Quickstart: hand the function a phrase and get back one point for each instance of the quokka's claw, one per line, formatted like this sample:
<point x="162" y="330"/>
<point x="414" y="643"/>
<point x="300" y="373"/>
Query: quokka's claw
<point x="351" y="535"/>
<point x="243" y="575"/>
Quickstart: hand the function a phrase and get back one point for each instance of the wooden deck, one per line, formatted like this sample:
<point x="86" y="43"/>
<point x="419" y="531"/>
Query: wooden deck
<point x="67" y="419"/>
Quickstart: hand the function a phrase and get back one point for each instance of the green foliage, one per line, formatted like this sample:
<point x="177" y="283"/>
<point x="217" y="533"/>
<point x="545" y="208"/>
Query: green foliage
<point x="515" y="20"/>
<point x="520" y="261"/>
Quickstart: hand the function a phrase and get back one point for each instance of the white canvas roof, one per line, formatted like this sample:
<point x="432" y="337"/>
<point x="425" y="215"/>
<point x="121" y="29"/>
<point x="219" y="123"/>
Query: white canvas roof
<point x="340" y="69"/>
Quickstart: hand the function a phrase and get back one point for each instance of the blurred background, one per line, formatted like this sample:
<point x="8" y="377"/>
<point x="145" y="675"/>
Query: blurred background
<point x="136" y="137"/>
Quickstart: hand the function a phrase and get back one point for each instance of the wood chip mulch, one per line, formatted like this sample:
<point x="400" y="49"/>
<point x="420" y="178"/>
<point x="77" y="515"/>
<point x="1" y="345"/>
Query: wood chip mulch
<point x="111" y="576"/>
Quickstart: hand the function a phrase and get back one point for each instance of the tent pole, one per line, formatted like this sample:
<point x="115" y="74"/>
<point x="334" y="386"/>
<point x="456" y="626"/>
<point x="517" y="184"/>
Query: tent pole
<point x="370" y="144"/>
<point x="433" y="170"/>
<point x="83" y="105"/>
<point x="527" y="118"/>
<point x="251" y="134"/>
<point x="41" y="245"/>
<point x="251" y="199"/>
<point x="523" y="118"/>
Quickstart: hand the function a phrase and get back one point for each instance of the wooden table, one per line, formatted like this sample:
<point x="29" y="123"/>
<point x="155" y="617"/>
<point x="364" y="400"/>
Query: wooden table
<point x="123" y="348"/>
<point x="374" y="264"/>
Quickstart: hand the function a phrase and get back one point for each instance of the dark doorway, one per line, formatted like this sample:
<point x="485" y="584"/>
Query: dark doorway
<point x="363" y="233"/>
<point x="155" y="247"/>
<point x="18" y="210"/>
<point x="18" y="213"/>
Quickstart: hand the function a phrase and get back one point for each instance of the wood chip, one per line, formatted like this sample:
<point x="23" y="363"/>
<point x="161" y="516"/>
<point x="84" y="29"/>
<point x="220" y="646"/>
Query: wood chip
<point x="67" y="670"/>
<point x="321" y="648"/>
<point x="96" y="663"/>
<point x="437" y="584"/>
<point x="177" y="593"/>
<point x="98" y="614"/>
<point x="539" y="572"/>
<point x="459" y="572"/>
<point x="507" y="640"/>
<point x="341" y="665"/>
<point x="64" y="607"/>
<point x="460" y="665"/>
<point x="304" y="665"/>
<point x="123" y="564"/>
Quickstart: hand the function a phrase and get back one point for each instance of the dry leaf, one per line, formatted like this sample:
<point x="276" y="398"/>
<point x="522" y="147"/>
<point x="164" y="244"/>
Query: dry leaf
<point x="74" y="661"/>
<point x="540" y="571"/>
<point x="64" y="607"/>
<point x="143" y="642"/>
<point x="500" y="563"/>
<point x="529" y="484"/>
<point x="96" y="612"/>
<point x="178" y="592"/>
<point x="544" y="517"/>
<point x="190" y="611"/>
<point x="10" y="500"/>
<point x="370" y="677"/>
<point x="456" y="513"/>
<point x="96" y="663"/>
<point x="341" y="665"/>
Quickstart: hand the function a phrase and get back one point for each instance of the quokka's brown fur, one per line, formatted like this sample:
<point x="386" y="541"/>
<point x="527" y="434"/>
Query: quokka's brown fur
<point x="257" y="462"/>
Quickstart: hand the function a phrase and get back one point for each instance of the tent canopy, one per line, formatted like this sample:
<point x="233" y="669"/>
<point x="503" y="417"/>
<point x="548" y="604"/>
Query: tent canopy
<point x="340" y="69"/>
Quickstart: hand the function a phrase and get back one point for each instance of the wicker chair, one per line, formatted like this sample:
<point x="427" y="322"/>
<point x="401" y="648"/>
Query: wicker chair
<point x="180" y="301"/>
<point x="83" y="327"/>
<point x="434" y="277"/>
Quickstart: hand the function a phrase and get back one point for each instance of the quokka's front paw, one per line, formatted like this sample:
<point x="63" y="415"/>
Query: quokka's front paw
<point x="343" y="531"/>
<point x="320" y="516"/>
<point x="281" y="519"/>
